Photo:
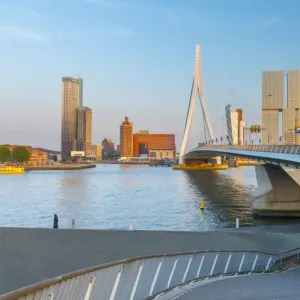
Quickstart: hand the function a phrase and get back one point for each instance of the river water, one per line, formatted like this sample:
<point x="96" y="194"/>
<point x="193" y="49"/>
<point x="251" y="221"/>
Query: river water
<point x="120" y="196"/>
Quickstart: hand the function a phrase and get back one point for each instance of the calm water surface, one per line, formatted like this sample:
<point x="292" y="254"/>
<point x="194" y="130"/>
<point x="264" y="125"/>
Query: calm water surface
<point x="115" y="196"/>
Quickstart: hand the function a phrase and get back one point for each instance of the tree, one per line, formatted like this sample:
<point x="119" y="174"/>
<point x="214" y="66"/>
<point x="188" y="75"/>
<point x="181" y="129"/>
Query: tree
<point x="4" y="154"/>
<point x="21" y="154"/>
<point x="54" y="157"/>
<point x="64" y="159"/>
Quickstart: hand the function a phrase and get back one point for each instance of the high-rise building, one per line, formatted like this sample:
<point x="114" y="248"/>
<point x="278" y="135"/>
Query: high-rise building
<point x="293" y="89"/>
<point x="273" y="94"/>
<point x="126" y="138"/>
<point x="240" y="118"/>
<point x="235" y="127"/>
<point x="270" y="126"/>
<point x="243" y="132"/>
<point x="80" y="92"/>
<point x="291" y="115"/>
<point x="84" y="130"/>
<point x="272" y="104"/>
<point x="153" y="145"/>
<point x="291" y="118"/>
<point x="70" y="102"/>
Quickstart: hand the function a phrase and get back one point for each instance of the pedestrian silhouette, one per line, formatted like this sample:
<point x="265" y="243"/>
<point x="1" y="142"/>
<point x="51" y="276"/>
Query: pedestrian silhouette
<point x="55" y="222"/>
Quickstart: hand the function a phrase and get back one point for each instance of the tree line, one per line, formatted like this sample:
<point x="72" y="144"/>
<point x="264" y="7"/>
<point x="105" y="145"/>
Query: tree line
<point x="19" y="154"/>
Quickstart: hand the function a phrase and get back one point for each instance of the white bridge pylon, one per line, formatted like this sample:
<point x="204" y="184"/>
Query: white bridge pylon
<point x="197" y="90"/>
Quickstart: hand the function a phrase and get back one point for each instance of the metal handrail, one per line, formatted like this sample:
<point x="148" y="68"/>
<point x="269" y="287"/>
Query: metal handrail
<point x="59" y="279"/>
<point x="46" y="283"/>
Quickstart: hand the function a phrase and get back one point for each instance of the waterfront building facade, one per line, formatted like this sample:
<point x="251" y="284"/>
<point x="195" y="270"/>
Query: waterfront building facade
<point x="38" y="158"/>
<point x="153" y="145"/>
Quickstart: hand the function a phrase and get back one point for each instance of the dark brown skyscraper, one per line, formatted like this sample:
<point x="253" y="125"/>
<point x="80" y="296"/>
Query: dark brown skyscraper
<point x="126" y="139"/>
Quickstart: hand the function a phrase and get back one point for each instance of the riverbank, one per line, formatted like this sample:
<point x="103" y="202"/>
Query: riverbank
<point x="122" y="162"/>
<point x="62" y="167"/>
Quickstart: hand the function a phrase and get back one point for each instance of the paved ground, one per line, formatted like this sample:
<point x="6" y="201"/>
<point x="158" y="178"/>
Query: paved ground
<point x="31" y="255"/>
<point x="250" y="287"/>
<point x="270" y="229"/>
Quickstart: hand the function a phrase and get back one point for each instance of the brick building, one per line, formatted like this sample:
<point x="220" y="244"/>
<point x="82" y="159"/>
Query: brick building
<point x="126" y="142"/>
<point x="154" y="145"/>
<point x="38" y="158"/>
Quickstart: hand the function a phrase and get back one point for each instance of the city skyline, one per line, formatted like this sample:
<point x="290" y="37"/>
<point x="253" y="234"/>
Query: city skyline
<point x="118" y="41"/>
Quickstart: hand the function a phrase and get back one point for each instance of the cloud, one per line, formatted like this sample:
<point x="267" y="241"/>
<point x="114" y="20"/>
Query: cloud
<point x="169" y="14"/>
<point x="30" y="13"/>
<point x="268" y="22"/>
<point x="19" y="34"/>
<point x="73" y="34"/>
<point x="106" y="32"/>
<point x="103" y="3"/>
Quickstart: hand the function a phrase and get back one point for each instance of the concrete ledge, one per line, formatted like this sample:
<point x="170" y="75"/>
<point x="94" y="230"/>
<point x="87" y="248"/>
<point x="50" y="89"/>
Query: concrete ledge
<point x="30" y="255"/>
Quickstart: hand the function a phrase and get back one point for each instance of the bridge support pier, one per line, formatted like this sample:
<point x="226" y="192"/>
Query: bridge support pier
<point x="279" y="193"/>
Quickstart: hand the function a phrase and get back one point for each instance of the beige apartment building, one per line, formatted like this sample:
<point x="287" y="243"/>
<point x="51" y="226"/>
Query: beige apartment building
<point x="97" y="151"/>
<point x="84" y="130"/>
<point x="70" y="103"/>
<point x="272" y="104"/>
<point x="126" y="138"/>
<point x="273" y="95"/>
<point x="270" y="125"/>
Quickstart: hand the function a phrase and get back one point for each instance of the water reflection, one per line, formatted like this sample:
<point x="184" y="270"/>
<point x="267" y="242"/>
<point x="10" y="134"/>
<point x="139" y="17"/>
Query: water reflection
<point x="73" y="187"/>
<point x="115" y="196"/>
<point x="228" y="194"/>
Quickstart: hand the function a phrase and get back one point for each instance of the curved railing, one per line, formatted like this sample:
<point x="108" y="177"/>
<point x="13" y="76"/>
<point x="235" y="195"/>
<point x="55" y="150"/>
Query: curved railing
<point x="283" y="149"/>
<point x="144" y="277"/>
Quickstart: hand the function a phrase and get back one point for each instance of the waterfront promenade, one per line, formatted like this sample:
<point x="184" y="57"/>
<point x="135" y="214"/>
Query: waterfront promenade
<point x="58" y="167"/>
<point x="29" y="255"/>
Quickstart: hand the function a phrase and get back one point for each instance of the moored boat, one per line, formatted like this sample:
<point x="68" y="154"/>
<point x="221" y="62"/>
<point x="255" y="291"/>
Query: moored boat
<point x="7" y="170"/>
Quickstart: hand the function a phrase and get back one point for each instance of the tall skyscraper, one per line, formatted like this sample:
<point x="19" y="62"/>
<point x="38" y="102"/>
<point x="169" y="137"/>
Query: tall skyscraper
<point x="273" y="94"/>
<point x="291" y="115"/>
<point x="84" y="130"/>
<point x="80" y="87"/>
<point x="126" y="138"/>
<point x="70" y="102"/>
<point x="272" y="104"/>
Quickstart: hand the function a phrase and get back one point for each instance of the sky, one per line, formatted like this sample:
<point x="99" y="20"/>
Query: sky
<point x="136" y="59"/>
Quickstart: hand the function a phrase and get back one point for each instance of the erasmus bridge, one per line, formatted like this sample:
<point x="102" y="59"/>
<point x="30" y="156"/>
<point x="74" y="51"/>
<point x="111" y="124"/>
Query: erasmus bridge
<point x="278" y="178"/>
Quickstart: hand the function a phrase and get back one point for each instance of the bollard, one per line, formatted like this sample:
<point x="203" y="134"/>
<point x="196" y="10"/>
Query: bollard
<point x="202" y="203"/>
<point x="73" y="224"/>
<point x="237" y="223"/>
<point x="55" y="221"/>
<point x="130" y="227"/>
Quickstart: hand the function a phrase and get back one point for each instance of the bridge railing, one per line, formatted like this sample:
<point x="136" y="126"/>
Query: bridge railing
<point x="144" y="277"/>
<point x="284" y="149"/>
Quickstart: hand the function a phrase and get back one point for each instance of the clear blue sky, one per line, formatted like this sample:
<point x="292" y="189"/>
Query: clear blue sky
<point x="136" y="59"/>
